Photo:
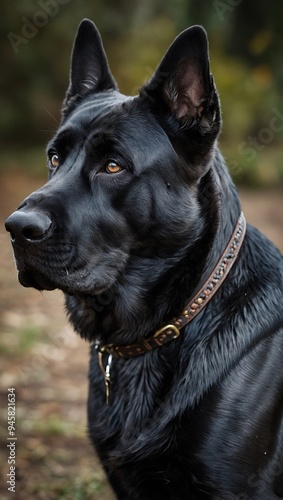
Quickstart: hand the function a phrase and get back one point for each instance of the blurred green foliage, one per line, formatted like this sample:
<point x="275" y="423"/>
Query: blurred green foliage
<point x="246" y="46"/>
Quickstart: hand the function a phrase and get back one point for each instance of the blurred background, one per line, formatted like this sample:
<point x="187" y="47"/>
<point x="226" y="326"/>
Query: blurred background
<point x="40" y="355"/>
<point x="246" y="46"/>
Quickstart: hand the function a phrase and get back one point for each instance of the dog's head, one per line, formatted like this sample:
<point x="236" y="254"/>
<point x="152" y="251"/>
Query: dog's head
<point x="124" y="172"/>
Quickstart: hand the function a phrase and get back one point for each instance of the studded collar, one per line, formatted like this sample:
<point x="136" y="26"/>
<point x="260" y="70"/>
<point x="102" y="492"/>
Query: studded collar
<point x="171" y="330"/>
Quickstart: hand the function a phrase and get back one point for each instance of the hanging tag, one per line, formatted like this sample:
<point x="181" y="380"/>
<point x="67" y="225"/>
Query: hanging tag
<point x="107" y="378"/>
<point x="106" y="373"/>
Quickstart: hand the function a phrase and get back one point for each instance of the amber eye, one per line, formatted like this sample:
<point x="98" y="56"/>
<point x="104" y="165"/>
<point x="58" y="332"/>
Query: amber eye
<point x="54" y="161"/>
<point x="113" y="168"/>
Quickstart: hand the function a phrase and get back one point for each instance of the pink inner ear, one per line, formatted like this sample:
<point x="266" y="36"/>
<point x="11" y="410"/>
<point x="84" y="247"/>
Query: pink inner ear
<point x="188" y="91"/>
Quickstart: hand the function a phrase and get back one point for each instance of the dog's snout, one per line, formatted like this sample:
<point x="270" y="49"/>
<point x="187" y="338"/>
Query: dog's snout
<point x="27" y="227"/>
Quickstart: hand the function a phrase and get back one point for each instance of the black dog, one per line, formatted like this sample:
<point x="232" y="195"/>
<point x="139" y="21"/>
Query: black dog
<point x="138" y="219"/>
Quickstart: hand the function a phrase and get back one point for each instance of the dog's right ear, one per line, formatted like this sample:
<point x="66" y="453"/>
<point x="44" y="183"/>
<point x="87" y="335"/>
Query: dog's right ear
<point x="90" y="71"/>
<point x="182" y="96"/>
<point x="182" y="86"/>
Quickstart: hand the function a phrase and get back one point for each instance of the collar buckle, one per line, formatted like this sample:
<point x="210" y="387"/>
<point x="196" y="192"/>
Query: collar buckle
<point x="166" y="333"/>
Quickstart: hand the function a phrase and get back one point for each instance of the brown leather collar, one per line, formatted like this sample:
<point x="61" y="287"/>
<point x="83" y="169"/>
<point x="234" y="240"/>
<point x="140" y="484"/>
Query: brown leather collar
<point x="172" y="330"/>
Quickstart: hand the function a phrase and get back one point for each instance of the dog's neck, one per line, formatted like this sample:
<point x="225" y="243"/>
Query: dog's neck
<point x="226" y="211"/>
<point x="153" y="290"/>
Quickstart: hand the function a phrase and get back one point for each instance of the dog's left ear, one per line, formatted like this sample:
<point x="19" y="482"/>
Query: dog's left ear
<point x="182" y="86"/>
<point x="90" y="71"/>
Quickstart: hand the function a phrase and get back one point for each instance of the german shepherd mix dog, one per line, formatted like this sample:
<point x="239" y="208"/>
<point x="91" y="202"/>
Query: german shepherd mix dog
<point x="140" y="225"/>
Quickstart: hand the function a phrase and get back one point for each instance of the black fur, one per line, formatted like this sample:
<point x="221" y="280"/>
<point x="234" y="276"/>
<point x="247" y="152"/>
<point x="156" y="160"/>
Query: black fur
<point x="200" y="418"/>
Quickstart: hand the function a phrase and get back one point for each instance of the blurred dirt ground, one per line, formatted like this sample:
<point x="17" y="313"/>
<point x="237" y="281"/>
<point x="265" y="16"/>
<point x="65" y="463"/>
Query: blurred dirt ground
<point x="47" y="364"/>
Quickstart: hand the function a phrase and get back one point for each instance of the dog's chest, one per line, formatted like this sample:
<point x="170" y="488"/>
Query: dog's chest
<point x="139" y="391"/>
<point x="140" y="397"/>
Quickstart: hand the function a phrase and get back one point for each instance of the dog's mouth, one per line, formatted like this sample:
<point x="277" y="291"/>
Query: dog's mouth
<point x="29" y="278"/>
<point x="90" y="277"/>
<point x="70" y="284"/>
<point x="32" y="276"/>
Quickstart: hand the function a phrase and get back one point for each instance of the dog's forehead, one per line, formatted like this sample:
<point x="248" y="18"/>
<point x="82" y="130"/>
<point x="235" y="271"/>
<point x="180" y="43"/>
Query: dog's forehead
<point x="95" y="107"/>
<point x="113" y="115"/>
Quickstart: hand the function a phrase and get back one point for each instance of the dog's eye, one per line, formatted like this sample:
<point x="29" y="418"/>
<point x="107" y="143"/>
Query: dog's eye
<point x="113" y="168"/>
<point x="54" y="161"/>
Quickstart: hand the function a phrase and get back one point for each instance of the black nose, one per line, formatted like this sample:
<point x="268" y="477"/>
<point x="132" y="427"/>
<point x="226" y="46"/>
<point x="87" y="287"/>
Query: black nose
<point x="27" y="227"/>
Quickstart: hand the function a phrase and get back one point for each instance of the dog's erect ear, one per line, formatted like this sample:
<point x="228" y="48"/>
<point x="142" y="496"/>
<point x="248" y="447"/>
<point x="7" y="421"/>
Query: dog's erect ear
<point x="182" y="84"/>
<point x="89" y="66"/>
